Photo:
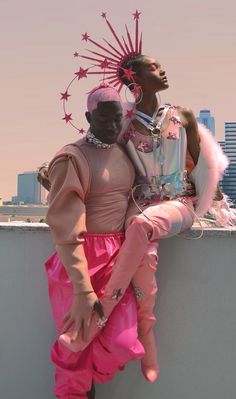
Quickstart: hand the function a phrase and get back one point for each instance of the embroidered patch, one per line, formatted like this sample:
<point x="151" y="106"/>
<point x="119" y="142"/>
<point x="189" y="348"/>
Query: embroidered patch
<point x="117" y="293"/>
<point x="129" y="134"/>
<point x="171" y="136"/>
<point x="138" y="293"/>
<point x="175" y="120"/>
<point x="101" y="322"/>
<point x="143" y="147"/>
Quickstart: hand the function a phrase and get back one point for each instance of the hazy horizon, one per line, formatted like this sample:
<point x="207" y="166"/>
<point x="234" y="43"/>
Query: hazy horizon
<point x="195" y="41"/>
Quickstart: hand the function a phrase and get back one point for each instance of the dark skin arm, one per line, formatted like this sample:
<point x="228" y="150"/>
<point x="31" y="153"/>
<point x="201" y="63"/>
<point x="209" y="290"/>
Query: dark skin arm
<point x="190" y="124"/>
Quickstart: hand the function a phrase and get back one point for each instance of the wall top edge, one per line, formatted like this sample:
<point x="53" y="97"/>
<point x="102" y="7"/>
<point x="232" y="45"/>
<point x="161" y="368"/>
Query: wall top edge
<point x="43" y="227"/>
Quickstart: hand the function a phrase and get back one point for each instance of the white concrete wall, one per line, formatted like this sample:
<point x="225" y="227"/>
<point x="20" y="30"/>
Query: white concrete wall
<point x="196" y="327"/>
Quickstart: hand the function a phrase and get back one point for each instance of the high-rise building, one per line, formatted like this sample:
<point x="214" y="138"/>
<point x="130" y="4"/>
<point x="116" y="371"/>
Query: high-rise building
<point x="228" y="183"/>
<point x="207" y="119"/>
<point x="222" y="144"/>
<point x="29" y="190"/>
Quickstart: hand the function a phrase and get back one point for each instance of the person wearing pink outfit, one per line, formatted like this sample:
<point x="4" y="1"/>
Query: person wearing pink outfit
<point x="88" y="200"/>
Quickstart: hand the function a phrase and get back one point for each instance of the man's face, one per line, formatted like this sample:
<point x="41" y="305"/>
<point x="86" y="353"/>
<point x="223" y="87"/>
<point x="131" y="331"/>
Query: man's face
<point x="151" y="75"/>
<point x="105" y="121"/>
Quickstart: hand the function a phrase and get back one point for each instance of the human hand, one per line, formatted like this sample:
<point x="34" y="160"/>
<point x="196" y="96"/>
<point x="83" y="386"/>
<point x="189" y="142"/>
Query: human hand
<point x="80" y="314"/>
<point x="218" y="194"/>
<point x="43" y="177"/>
<point x="223" y="212"/>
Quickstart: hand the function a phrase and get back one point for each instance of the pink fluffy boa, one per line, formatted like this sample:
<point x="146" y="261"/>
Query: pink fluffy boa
<point x="209" y="170"/>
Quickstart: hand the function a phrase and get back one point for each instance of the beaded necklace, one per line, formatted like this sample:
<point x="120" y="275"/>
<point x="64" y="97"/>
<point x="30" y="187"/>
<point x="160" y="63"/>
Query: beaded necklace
<point x="91" y="139"/>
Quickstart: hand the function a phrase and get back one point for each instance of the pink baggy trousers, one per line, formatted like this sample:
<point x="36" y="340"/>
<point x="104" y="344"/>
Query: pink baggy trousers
<point x="116" y="344"/>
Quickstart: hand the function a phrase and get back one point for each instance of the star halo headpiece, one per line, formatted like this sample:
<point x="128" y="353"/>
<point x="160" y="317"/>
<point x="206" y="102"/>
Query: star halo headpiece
<point x="108" y="60"/>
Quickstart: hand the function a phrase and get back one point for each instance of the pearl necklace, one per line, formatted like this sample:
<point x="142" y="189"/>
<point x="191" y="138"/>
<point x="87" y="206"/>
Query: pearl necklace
<point x="91" y="139"/>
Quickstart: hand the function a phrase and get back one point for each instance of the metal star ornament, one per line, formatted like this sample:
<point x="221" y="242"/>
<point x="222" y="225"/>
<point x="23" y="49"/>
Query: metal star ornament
<point x="85" y="36"/>
<point x="67" y="118"/>
<point x="65" y="96"/>
<point x="104" y="64"/>
<point x="136" y="15"/>
<point x="129" y="113"/>
<point x="82" y="73"/>
<point x="128" y="73"/>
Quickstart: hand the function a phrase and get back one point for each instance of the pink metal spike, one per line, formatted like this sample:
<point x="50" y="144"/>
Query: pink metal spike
<point x="141" y="43"/>
<point x="129" y="38"/>
<point x="107" y="81"/>
<point x="119" y="88"/>
<point x="116" y="84"/>
<point x="103" y="48"/>
<point x="113" y="77"/>
<point x="90" y="58"/>
<point x="109" y="44"/>
<point x="126" y="46"/>
<point x="107" y="67"/>
<point x="102" y="56"/>
<point x="136" y="35"/>
<point x="113" y="80"/>
<point x="100" y="73"/>
<point x="115" y="36"/>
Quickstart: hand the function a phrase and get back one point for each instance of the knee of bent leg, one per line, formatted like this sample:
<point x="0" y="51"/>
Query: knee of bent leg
<point x="139" y="223"/>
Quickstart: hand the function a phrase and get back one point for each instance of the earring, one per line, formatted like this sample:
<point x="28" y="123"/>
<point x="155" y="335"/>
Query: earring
<point x="137" y="92"/>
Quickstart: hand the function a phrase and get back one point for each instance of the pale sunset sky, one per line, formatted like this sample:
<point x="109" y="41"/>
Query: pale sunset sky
<point x="195" y="41"/>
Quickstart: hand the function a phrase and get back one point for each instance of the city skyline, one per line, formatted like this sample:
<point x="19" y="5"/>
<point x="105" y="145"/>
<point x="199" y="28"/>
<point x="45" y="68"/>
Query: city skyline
<point x="229" y="147"/>
<point x="37" y="63"/>
<point x="29" y="190"/>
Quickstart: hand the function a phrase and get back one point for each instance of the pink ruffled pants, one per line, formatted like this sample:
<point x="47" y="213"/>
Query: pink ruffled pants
<point x="116" y="344"/>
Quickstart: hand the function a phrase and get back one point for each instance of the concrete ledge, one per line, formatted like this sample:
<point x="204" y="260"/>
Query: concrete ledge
<point x="193" y="232"/>
<point x="195" y="312"/>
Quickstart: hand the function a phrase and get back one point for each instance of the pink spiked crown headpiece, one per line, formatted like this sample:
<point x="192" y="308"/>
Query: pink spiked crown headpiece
<point x="109" y="59"/>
